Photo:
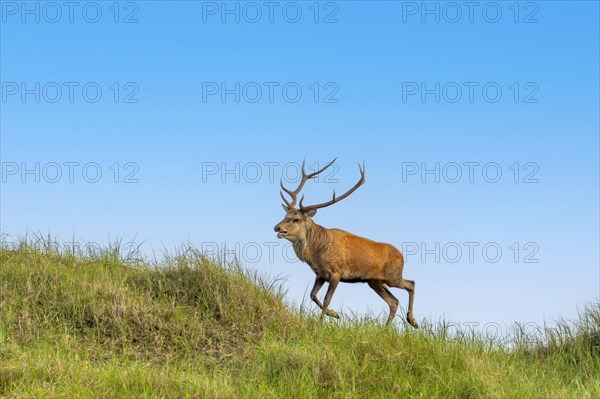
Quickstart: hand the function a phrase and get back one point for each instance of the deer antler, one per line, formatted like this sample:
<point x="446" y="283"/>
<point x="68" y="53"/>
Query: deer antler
<point x="341" y="197"/>
<point x="304" y="179"/>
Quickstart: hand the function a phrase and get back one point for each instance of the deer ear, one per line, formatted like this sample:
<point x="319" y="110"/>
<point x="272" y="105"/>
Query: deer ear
<point x="311" y="212"/>
<point x="285" y="208"/>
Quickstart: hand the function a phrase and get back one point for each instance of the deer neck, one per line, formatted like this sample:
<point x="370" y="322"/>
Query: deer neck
<point x="309" y="242"/>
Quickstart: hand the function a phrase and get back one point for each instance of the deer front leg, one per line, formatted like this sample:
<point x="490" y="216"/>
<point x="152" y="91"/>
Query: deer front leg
<point x="333" y="283"/>
<point x="313" y="295"/>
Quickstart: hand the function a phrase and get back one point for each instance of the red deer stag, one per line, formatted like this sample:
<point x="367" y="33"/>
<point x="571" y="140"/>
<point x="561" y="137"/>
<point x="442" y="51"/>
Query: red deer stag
<point x="338" y="256"/>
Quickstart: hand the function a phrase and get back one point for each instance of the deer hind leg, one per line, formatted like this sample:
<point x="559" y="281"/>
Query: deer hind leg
<point x="408" y="285"/>
<point x="385" y="294"/>
<point x="313" y="295"/>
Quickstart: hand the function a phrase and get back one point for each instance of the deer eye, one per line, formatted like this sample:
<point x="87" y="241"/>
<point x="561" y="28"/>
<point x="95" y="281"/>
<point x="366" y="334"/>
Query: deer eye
<point x="296" y="220"/>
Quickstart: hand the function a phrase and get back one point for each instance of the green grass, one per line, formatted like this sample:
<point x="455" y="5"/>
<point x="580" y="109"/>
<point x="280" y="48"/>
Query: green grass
<point x="93" y="325"/>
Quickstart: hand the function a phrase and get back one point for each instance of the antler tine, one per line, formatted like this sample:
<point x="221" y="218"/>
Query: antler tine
<point x="284" y="200"/>
<point x="285" y="189"/>
<point x="303" y="180"/>
<point x="290" y="193"/>
<point x="335" y="199"/>
<point x="318" y="171"/>
<point x="306" y="177"/>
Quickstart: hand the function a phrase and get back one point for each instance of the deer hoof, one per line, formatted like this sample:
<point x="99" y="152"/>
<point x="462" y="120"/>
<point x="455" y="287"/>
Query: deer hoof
<point x="331" y="313"/>
<point x="411" y="321"/>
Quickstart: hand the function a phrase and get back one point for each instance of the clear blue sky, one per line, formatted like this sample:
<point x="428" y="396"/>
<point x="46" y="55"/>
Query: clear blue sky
<point x="203" y="105"/>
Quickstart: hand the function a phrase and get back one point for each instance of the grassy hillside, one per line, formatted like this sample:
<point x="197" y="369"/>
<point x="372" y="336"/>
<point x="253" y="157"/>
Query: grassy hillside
<point x="93" y="326"/>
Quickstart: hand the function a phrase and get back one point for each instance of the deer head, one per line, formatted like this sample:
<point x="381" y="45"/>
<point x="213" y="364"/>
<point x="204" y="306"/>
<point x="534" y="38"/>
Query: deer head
<point x="295" y="222"/>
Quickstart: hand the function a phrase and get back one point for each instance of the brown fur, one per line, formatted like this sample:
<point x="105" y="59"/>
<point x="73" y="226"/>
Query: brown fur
<point x="338" y="256"/>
